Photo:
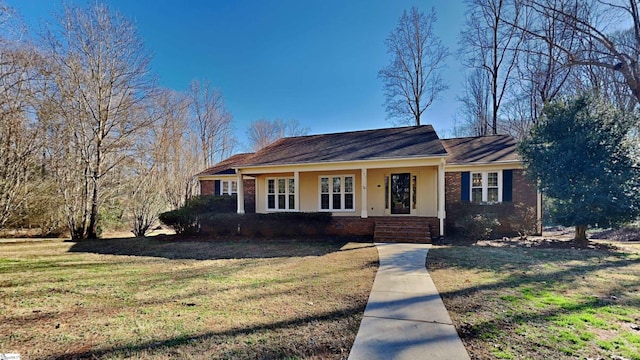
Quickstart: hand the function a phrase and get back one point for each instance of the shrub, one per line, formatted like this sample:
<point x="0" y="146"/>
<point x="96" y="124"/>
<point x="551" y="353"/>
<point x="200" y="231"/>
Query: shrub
<point x="216" y="215"/>
<point x="477" y="226"/>
<point x="186" y="220"/>
<point x="183" y="220"/>
<point x="204" y="204"/>
<point x="504" y="219"/>
<point x="288" y="224"/>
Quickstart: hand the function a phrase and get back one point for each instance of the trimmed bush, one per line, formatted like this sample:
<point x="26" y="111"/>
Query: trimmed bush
<point x="216" y="215"/>
<point x="284" y="225"/>
<point x="482" y="221"/>
<point x="204" y="204"/>
<point x="186" y="220"/>
<point x="183" y="220"/>
<point x="477" y="226"/>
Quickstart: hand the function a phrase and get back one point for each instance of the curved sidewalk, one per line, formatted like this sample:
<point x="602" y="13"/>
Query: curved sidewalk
<point x="405" y="317"/>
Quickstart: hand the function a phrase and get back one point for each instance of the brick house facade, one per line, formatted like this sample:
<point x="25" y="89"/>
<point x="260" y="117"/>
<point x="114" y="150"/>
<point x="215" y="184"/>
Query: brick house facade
<point x="519" y="215"/>
<point x="212" y="187"/>
<point x="222" y="179"/>
<point x="396" y="184"/>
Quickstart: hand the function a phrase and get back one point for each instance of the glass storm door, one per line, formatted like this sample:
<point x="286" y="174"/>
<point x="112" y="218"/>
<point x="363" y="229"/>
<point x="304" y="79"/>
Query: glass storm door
<point x="401" y="193"/>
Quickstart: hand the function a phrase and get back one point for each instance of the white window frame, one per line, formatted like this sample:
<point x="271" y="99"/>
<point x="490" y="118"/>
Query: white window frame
<point x="485" y="186"/>
<point x="342" y="193"/>
<point x="230" y="190"/>
<point x="287" y="193"/>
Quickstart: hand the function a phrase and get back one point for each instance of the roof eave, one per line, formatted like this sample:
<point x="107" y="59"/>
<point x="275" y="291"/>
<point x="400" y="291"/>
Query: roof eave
<point x="251" y="166"/>
<point x="485" y="163"/>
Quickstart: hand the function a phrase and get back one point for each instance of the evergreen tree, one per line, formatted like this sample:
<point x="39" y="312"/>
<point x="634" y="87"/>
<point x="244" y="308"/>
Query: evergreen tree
<point x="580" y="154"/>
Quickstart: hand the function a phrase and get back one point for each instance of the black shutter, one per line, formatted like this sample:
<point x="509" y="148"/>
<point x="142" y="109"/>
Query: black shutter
<point x="216" y="187"/>
<point x="465" y="186"/>
<point x="507" y="185"/>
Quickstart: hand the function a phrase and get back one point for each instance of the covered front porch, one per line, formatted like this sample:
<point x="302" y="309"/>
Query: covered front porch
<point x="400" y="188"/>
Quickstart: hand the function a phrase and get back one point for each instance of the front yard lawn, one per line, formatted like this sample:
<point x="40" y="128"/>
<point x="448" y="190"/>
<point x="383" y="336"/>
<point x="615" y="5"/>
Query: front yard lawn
<point x="541" y="303"/>
<point x="153" y="299"/>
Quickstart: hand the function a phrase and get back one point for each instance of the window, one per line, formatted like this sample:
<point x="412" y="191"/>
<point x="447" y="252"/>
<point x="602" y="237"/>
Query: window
<point x="228" y="187"/>
<point x="476" y="187"/>
<point x="337" y="192"/>
<point x="492" y="187"/>
<point x="386" y="191"/>
<point x="486" y="187"/>
<point x="281" y="194"/>
<point x="414" y="191"/>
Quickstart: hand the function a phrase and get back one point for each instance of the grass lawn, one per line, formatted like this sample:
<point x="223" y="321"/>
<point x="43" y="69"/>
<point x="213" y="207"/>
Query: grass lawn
<point x="534" y="303"/>
<point x="158" y="298"/>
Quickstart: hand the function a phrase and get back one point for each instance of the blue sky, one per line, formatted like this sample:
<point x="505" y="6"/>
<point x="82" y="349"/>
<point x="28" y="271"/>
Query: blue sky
<point x="314" y="61"/>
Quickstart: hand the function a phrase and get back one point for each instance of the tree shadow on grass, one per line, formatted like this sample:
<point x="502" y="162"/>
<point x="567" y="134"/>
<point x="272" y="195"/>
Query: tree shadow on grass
<point x="223" y="344"/>
<point x="174" y="248"/>
<point x="541" y="274"/>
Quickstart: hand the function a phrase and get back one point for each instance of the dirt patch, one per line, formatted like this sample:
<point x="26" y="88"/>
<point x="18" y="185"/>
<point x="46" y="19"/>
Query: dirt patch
<point x="560" y="238"/>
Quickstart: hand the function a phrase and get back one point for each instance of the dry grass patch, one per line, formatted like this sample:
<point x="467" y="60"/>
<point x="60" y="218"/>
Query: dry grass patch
<point x="146" y="298"/>
<point x="534" y="303"/>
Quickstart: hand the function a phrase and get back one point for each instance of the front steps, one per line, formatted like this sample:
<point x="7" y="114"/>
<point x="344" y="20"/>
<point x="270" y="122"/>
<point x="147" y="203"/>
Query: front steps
<point x="402" y="229"/>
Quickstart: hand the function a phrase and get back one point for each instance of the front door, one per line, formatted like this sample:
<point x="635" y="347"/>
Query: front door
<point x="400" y="193"/>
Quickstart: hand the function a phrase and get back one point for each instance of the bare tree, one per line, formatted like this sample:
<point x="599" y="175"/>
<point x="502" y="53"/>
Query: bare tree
<point x="598" y="24"/>
<point x="542" y="67"/>
<point x="542" y="72"/>
<point x="475" y="103"/>
<point x="100" y="78"/>
<point x="264" y="132"/>
<point x="491" y="45"/>
<point x="412" y="81"/>
<point x="144" y="199"/>
<point x="19" y="133"/>
<point x="211" y="122"/>
<point x="610" y="84"/>
<point x="176" y="153"/>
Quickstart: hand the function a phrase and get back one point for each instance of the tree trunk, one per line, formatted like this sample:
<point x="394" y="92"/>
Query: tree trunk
<point x="95" y="196"/>
<point x="581" y="235"/>
<point x="93" y="216"/>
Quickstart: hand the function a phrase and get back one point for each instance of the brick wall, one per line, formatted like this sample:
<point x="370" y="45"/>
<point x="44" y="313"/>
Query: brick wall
<point x="516" y="216"/>
<point x="207" y="187"/>
<point x="351" y="226"/>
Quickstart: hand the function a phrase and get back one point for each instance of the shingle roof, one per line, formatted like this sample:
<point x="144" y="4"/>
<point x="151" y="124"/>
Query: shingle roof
<point x="482" y="149"/>
<point x="225" y="167"/>
<point x="403" y="142"/>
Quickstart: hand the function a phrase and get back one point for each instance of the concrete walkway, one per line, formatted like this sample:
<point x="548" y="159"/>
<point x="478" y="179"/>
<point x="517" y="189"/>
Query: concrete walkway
<point x="405" y="317"/>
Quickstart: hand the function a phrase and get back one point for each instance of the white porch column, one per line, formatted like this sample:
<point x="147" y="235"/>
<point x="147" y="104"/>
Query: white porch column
<point x="240" y="196"/>
<point x="364" y="205"/>
<point x="296" y="185"/>
<point x="441" y="191"/>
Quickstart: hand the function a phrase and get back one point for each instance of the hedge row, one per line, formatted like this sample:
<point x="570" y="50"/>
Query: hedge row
<point x="216" y="215"/>
<point x="484" y="221"/>
<point x="186" y="220"/>
<point x="287" y="224"/>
